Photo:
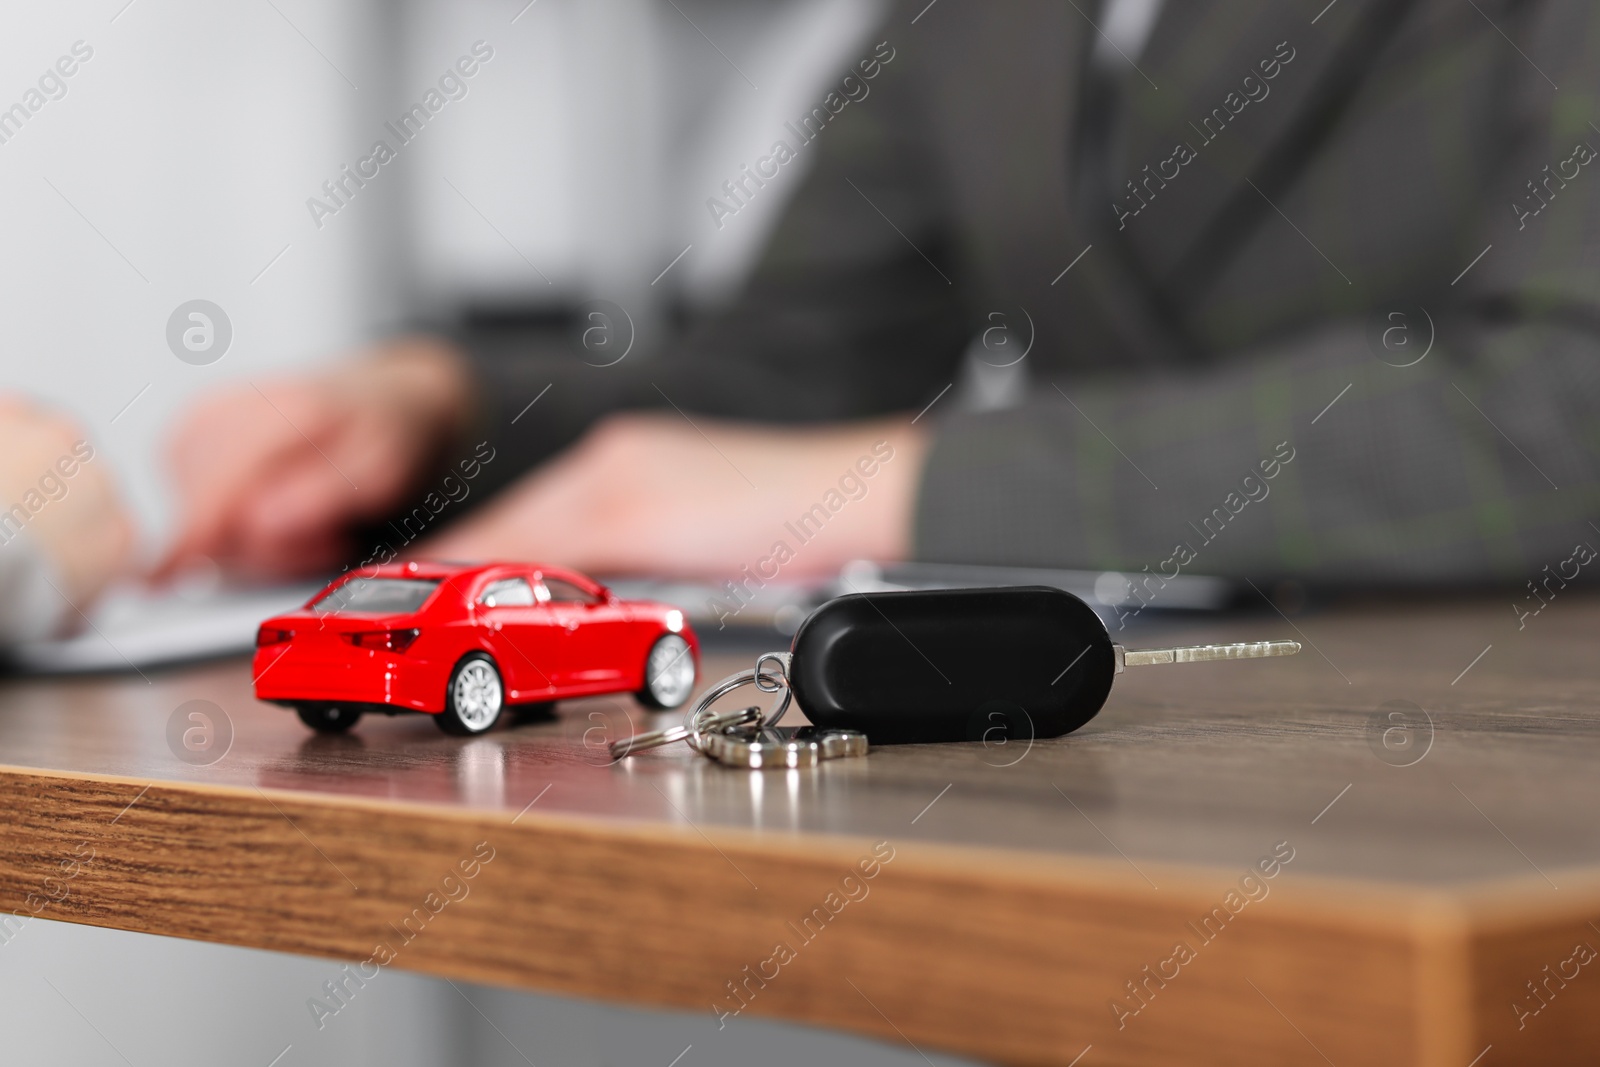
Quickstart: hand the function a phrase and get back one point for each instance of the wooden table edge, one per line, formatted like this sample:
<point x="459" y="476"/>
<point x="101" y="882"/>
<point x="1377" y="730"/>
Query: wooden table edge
<point x="1436" y="926"/>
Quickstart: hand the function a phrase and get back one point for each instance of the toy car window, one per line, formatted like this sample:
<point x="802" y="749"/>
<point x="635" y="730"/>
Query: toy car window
<point x="567" y="593"/>
<point x="508" y="593"/>
<point x="387" y="595"/>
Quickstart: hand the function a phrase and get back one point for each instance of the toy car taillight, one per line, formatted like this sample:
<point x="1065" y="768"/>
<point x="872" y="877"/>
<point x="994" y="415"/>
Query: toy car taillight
<point x="387" y="640"/>
<point x="271" y="635"/>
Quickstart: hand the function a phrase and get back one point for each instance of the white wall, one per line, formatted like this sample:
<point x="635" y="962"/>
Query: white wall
<point x="188" y="143"/>
<point x="179" y="162"/>
<point x="582" y="170"/>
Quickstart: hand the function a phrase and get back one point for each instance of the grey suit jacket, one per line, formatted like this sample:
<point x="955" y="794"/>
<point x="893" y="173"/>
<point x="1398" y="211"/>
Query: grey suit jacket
<point x="1291" y="204"/>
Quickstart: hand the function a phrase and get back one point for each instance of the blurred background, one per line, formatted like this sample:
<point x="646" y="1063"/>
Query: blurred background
<point x="179" y="163"/>
<point x="177" y="166"/>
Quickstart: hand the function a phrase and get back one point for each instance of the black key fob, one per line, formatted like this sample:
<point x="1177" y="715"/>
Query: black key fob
<point x="947" y="665"/>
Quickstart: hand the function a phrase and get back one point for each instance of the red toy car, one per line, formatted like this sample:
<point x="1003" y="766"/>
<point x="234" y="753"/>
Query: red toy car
<point x="462" y="641"/>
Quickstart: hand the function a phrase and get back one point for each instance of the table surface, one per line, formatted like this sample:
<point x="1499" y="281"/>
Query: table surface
<point x="1429" y="764"/>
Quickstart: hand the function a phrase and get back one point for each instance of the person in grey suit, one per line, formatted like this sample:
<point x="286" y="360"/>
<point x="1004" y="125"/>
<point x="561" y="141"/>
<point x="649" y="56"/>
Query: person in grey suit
<point x="1237" y="287"/>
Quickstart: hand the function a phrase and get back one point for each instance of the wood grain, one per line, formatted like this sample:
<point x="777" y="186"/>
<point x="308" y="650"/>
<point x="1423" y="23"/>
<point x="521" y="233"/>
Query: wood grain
<point x="1022" y="898"/>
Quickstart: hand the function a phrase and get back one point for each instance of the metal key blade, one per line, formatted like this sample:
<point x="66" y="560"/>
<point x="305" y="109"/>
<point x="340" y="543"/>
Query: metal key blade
<point x="628" y="746"/>
<point x="1144" y="657"/>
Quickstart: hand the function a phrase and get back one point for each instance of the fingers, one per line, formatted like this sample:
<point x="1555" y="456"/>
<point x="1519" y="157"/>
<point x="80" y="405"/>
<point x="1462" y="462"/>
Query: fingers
<point x="307" y="500"/>
<point x="316" y="553"/>
<point x="234" y="448"/>
<point x="574" y="512"/>
<point x="263" y="471"/>
<point x="653" y="496"/>
<point x="91" y="544"/>
<point x="56" y="489"/>
<point x="500" y="531"/>
<point x="218" y="456"/>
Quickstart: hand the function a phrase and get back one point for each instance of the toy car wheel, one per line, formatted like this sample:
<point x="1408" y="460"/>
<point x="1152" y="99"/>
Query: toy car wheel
<point x="327" y="718"/>
<point x="668" y="674"/>
<point x="475" y="697"/>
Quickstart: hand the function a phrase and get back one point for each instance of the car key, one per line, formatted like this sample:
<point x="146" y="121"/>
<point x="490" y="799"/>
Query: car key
<point x="939" y="665"/>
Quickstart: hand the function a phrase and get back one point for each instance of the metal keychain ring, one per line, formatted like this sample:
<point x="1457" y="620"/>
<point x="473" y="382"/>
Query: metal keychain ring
<point x="782" y="660"/>
<point x="728" y="685"/>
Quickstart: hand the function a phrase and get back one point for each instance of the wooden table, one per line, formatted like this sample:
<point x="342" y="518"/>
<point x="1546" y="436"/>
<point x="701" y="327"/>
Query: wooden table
<point x="1036" y="895"/>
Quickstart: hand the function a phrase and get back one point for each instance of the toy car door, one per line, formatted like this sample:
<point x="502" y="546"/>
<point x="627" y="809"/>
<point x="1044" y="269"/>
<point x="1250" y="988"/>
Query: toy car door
<point x="528" y="646"/>
<point x="596" y="633"/>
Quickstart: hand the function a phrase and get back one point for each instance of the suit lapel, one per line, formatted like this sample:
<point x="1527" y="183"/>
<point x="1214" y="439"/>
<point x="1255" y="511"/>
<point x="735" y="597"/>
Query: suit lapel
<point x="1236" y="82"/>
<point x="1003" y="94"/>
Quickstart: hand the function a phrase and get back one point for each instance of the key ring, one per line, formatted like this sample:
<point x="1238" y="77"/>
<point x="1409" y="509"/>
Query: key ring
<point x="782" y="660"/>
<point x="627" y="746"/>
<point x="698" y="725"/>
<point x="700" y="721"/>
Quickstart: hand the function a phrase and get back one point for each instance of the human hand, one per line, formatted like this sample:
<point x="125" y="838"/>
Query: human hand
<point x="270" y="478"/>
<point x="653" y="493"/>
<point x="53" y="487"/>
